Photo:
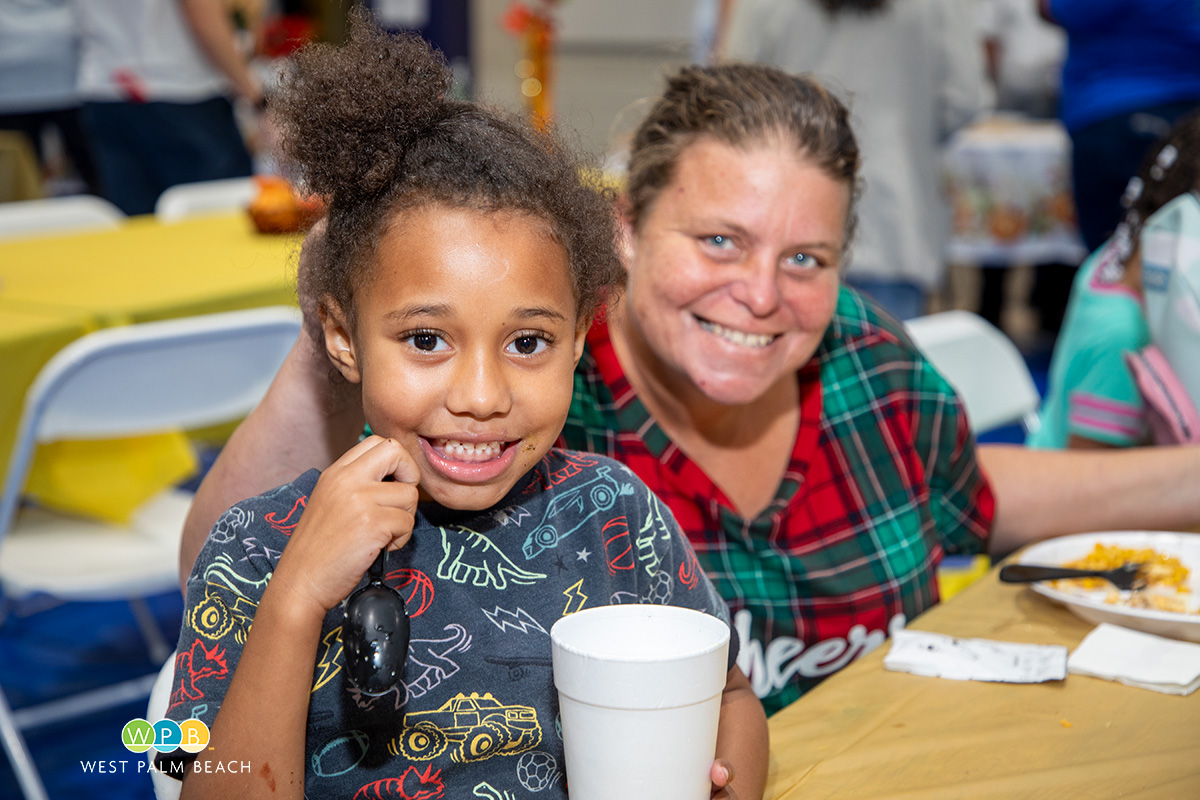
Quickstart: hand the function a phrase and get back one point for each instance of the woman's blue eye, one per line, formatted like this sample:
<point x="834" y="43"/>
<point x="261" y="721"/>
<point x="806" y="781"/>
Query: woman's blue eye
<point x="802" y="260"/>
<point x="718" y="240"/>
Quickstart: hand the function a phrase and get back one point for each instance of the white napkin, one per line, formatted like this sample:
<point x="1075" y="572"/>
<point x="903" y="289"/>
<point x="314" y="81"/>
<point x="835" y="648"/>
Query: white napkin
<point x="1138" y="659"/>
<point x="941" y="656"/>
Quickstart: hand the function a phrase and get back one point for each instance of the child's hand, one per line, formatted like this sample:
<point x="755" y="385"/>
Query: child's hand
<point x="351" y="514"/>
<point x="722" y="774"/>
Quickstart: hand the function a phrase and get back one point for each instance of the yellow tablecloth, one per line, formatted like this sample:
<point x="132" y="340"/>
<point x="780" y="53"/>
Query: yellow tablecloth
<point x="28" y="339"/>
<point x="870" y="733"/>
<point x="147" y="271"/>
<point x="53" y="289"/>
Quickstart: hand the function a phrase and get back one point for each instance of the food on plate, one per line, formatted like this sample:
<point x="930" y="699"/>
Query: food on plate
<point x="1153" y="602"/>
<point x="1166" y="577"/>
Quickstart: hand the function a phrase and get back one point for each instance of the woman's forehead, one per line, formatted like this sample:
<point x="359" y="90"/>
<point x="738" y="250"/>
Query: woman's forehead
<point x="714" y="173"/>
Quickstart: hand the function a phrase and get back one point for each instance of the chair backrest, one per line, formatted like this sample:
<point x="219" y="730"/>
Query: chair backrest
<point x="150" y="377"/>
<point x="982" y="364"/>
<point x="206" y="197"/>
<point x="165" y="787"/>
<point x="73" y="213"/>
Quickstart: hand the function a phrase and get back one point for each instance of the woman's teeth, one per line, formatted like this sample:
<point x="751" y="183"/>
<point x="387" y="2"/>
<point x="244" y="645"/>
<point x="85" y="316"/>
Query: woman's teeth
<point x="737" y="337"/>
<point x="469" y="451"/>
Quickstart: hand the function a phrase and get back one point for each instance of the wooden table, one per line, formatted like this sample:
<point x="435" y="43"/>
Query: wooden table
<point x="870" y="733"/>
<point x="54" y="289"/>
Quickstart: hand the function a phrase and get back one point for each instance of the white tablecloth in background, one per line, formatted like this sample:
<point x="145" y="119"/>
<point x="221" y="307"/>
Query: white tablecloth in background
<point x="1009" y="184"/>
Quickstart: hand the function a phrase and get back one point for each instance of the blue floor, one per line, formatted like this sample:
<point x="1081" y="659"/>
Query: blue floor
<point x="50" y="653"/>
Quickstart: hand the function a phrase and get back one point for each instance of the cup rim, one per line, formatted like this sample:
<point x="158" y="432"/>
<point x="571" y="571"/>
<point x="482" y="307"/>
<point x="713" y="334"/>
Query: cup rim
<point x="633" y="609"/>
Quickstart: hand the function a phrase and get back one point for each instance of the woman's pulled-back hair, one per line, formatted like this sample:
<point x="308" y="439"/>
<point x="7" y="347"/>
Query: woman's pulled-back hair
<point x="368" y="127"/>
<point x="740" y="105"/>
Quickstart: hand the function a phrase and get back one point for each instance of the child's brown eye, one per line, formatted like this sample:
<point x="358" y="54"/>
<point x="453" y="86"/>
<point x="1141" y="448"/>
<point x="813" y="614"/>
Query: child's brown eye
<point x="425" y="341"/>
<point x="526" y="345"/>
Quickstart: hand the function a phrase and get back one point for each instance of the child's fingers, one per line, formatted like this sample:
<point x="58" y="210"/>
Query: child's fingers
<point x="397" y="524"/>
<point x="721" y="775"/>
<point x="337" y="541"/>
<point x="351" y="514"/>
<point x="406" y="470"/>
<point x="383" y="458"/>
<point x="366" y="445"/>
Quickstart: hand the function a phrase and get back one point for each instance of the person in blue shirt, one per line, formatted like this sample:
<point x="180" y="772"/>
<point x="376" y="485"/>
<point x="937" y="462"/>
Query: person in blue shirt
<point x="1132" y="70"/>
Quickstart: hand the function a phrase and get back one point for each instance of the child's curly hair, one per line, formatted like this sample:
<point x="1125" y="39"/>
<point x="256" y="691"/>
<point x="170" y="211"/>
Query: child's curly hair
<point x="368" y="127"/>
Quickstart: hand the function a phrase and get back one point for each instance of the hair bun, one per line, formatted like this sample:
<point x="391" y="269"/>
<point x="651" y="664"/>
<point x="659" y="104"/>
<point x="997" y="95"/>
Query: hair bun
<point x="348" y="113"/>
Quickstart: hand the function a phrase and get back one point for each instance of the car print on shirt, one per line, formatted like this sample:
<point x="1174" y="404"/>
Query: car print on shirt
<point x="601" y="492"/>
<point x="478" y="725"/>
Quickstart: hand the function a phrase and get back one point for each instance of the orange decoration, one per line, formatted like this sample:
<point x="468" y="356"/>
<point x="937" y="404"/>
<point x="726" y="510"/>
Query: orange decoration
<point x="535" y="25"/>
<point x="276" y="208"/>
<point x="1008" y="222"/>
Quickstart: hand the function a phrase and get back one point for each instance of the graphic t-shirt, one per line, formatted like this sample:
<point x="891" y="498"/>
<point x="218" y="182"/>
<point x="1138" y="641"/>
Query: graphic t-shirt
<point x="881" y="484"/>
<point x="477" y="713"/>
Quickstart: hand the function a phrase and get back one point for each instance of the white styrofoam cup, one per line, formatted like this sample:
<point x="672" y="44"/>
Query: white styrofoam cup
<point x="639" y="691"/>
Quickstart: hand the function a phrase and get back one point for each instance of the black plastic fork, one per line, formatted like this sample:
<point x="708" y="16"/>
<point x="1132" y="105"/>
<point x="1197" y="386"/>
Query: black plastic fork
<point x="1125" y="577"/>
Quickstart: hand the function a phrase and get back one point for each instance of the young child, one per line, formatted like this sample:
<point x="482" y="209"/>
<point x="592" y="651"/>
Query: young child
<point x="461" y="265"/>
<point x="1092" y="399"/>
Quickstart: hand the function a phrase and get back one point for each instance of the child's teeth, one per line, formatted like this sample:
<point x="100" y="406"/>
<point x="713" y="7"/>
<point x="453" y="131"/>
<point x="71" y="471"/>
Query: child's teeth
<point x="471" y="450"/>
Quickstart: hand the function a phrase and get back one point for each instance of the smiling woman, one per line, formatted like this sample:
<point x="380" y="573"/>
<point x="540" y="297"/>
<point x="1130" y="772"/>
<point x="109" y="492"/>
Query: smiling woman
<point x="818" y="464"/>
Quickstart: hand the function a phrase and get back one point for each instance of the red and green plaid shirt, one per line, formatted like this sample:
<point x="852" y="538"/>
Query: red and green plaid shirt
<point x="882" y="483"/>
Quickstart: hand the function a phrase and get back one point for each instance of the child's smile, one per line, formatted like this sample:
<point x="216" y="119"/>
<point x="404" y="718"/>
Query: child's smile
<point x="464" y="341"/>
<point x="468" y="461"/>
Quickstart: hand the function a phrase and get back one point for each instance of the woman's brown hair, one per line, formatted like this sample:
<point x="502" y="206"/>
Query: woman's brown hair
<point x="740" y="105"/>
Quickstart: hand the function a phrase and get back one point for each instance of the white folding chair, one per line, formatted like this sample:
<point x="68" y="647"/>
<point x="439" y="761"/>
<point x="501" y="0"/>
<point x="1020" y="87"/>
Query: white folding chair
<point x="982" y="364"/>
<point x="58" y="214"/>
<point x="165" y="787"/>
<point x="127" y="381"/>
<point x="187" y="200"/>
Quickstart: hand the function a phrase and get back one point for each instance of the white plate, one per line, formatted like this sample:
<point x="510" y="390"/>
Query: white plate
<point x="1090" y="605"/>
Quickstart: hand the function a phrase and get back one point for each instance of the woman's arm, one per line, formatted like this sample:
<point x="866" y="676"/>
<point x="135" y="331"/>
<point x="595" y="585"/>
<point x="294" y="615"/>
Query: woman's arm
<point x="1044" y="493"/>
<point x="742" y="745"/>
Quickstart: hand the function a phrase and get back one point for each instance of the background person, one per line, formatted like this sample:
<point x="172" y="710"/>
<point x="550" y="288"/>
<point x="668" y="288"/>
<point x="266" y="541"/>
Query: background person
<point x="819" y="465"/>
<point x="39" y="60"/>
<point x="1024" y="55"/>
<point x="1131" y="71"/>
<point x="1092" y="399"/>
<point x="912" y="74"/>
<point x="155" y="76"/>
